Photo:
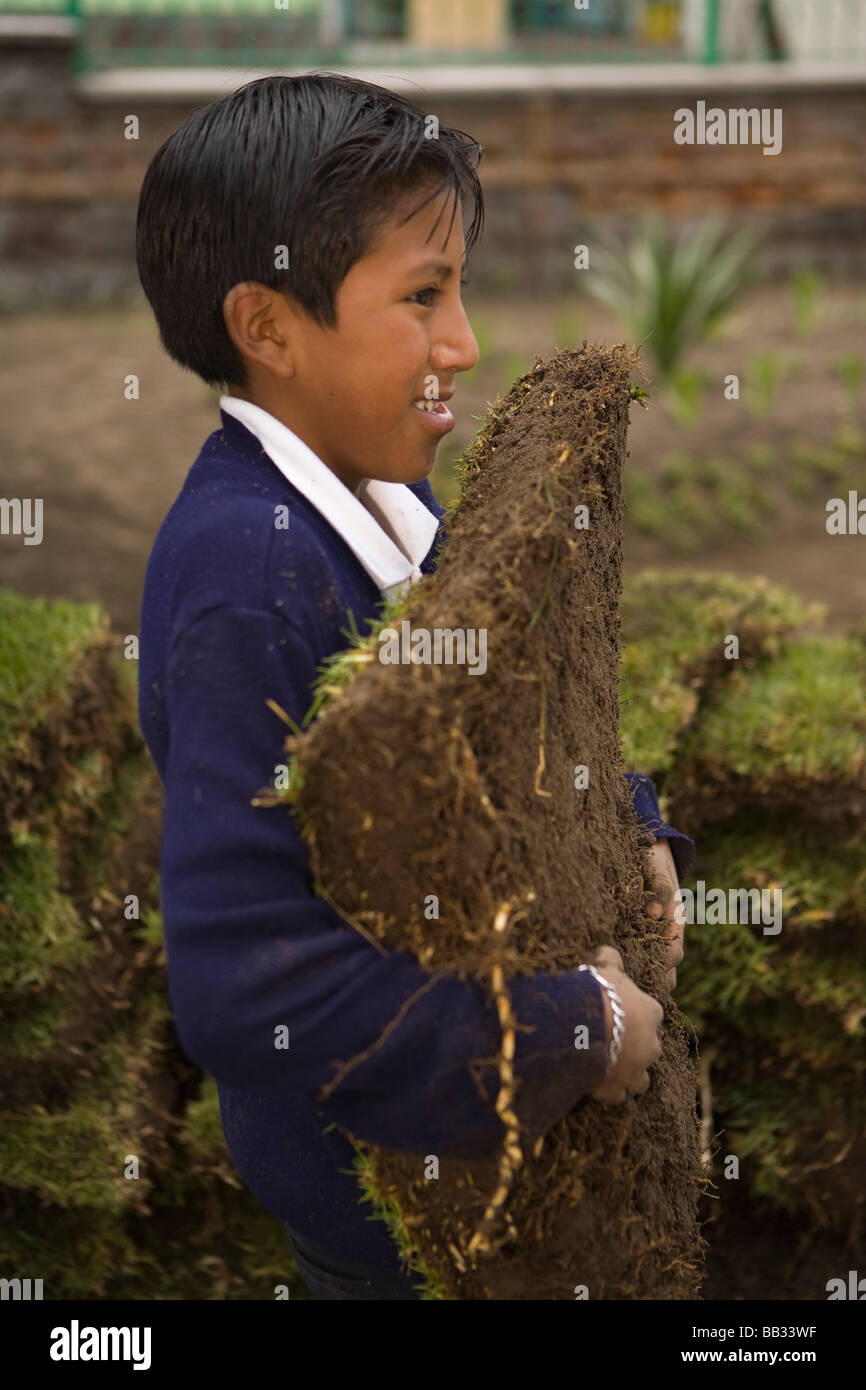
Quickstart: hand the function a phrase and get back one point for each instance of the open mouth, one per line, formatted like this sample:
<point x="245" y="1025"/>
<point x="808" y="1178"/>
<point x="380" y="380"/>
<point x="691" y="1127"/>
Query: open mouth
<point x="436" y="415"/>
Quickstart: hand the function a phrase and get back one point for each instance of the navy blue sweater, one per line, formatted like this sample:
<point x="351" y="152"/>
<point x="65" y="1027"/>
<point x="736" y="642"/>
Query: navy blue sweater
<point x="236" y="612"/>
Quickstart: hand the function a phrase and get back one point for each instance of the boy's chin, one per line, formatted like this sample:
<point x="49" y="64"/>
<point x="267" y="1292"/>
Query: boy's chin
<point x="424" y="469"/>
<point x="410" y="471"/>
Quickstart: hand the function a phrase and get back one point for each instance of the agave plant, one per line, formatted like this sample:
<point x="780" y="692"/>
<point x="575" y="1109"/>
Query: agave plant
<point x="672" y="289"/>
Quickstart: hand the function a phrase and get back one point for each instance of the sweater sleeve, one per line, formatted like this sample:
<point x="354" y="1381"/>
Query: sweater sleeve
<point x="646" y="804"/>
<point x="252" y="950"/>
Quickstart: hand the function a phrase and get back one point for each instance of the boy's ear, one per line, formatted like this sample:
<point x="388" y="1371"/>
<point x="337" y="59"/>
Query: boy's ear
<point x="257" y="322"/>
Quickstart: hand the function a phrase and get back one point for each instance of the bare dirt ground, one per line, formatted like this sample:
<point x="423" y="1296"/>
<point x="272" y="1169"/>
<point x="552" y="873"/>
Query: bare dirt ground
<point x="109" y="468"/>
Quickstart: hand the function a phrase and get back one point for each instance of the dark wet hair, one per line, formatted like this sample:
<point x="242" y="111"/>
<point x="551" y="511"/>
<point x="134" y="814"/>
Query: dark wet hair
<point x="315" y="163"/>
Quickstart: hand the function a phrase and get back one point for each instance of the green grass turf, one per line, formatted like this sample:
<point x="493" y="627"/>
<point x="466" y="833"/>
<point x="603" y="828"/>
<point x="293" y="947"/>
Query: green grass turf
<point x="801" y="718"/>
<point x="674" y="628"/>
<point x="42" y="643"/>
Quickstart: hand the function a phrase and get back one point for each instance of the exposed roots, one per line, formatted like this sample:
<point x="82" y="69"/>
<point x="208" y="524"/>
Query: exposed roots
<point x="707" y="1059"/>
<point x="512" y="1154"/>
<point x="346" y="1067"/>
<point x="542" y="728"/>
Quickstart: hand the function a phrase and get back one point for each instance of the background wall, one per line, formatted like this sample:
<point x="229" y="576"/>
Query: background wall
<point x="555" y="160"/>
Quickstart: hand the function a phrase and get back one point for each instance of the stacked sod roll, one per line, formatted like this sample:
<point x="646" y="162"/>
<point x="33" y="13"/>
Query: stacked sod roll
<point x="422" y="779"/>
<point x="114" y="1181"/>
<point x="763" y="756"/>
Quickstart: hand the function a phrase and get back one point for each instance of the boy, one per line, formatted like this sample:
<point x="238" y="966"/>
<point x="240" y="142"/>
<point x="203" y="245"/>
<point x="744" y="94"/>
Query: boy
<point x="301" y="245"/>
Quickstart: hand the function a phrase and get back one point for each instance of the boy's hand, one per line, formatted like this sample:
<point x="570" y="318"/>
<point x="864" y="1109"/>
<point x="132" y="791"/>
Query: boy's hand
<point x="641" y="1045"/>
<point x="667" y="901"/>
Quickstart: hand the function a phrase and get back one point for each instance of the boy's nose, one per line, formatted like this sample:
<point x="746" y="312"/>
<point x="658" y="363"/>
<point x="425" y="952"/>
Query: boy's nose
<point x="457" y="350"/>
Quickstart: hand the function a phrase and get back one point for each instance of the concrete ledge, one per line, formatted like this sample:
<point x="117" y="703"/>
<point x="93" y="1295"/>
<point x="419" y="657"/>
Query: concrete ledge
<point x="204" y="84"/>
<point x="33" y="29"/>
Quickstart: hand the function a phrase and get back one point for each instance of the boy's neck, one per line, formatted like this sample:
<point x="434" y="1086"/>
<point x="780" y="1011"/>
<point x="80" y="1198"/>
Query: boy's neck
<point x="278" y="414"/>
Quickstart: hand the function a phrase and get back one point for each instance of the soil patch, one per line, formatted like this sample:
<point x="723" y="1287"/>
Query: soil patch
<point x="422" y="778"/>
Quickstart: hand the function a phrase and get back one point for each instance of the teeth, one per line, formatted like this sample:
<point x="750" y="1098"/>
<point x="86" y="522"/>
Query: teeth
<point x="426" y="404"/>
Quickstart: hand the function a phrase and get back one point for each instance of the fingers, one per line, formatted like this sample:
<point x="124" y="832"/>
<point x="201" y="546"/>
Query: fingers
<point x="607" y="957"/>
<point x="661" y="880"/>
<point x="616" y="1094"/>
<point x="677" y="917"/>
<point x="665" y="899"/>
<point x="673" y="932"/>
<point x="656" y="1046"/>
<point x="610" y="1095"/>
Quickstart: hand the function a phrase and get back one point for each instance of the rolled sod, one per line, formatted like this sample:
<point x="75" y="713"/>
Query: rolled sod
<point x="92" y="1072"/>
<point x="65" y="702"/>
<point x="789" y="736"/>
<point x="781" y="1016"/>
<point x="761" y="758"/>
<point x="75" y="1154"/>
<point x="421" y="778"/>
<point x="71" y="961"/>
<point x="675" y="626"/>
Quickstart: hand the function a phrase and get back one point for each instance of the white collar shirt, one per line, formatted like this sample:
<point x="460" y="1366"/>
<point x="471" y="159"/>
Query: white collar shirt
<point x="384" y="524"/>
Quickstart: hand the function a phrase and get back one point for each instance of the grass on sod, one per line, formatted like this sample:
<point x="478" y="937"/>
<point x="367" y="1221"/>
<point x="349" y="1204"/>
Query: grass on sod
<point x="799" y="719"/>
<point x="674" y="630"/>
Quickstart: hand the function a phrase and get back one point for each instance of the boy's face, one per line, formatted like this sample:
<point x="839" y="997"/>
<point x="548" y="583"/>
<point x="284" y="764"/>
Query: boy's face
<point x="402" y="336"/>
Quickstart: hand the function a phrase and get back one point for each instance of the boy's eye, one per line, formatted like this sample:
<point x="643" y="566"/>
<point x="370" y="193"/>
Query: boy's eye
<point x="434" y="291"/>
<point x="419" y="296"/>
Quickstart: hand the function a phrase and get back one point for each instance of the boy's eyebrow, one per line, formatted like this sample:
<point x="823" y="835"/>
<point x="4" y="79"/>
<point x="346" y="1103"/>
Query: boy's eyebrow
<point x="437" y="266"/>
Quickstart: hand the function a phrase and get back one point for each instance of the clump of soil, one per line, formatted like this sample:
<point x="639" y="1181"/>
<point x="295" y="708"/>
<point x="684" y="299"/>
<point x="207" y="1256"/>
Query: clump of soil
<point x="425" y="779"/>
